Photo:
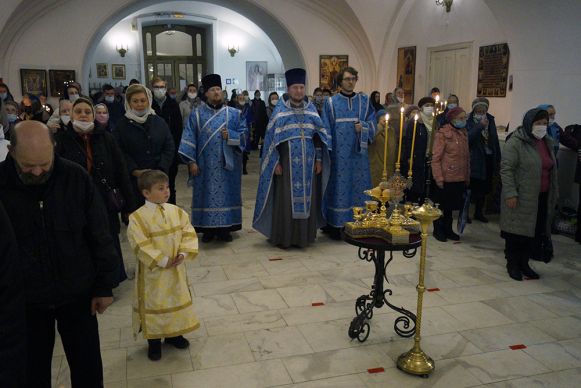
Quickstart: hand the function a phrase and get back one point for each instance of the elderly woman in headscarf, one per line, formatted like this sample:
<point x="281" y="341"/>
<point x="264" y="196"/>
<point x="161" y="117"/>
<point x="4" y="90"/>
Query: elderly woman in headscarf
<point x="529" y="193"/>
<point x="144" y="137"/>
<point x="95" y="149"/>
<point x="102" y="118"/>
<point x="376" y="149"/>
<point x="554" y="130"/>
<point x="484" y="154"/>
<point x="451" y="170"/>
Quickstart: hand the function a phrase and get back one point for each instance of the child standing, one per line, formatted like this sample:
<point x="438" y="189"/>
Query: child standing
<point x="162" y="237"/>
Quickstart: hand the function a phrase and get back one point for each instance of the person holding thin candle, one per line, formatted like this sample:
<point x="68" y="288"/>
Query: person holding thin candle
<point x="451" y="170"/>
<point x="416" y="193"/>
<point x="377" y="148"/>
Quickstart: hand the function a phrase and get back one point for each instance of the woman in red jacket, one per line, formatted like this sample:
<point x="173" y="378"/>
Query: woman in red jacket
<point x="450" y="170"/>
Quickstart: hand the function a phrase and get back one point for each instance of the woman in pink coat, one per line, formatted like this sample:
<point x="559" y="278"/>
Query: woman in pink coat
<point x="450" y="170"/>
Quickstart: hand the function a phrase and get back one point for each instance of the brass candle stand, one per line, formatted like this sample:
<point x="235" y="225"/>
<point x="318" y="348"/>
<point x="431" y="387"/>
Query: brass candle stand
<point x="415" y="361"/>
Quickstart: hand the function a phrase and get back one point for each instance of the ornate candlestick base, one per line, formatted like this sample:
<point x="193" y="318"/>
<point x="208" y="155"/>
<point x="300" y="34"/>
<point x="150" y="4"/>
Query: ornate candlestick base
<point x="415" y="361"/>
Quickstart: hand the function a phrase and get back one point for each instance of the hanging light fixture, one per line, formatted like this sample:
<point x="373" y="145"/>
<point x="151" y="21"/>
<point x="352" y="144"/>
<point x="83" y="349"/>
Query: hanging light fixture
<point x="445" y="3"/>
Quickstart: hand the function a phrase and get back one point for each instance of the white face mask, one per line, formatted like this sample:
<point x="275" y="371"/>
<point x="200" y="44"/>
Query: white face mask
<point x="428" y="110"/>
<point x="73" y="97"/>
<point x="192" y="96"/>
<point x="139" y="113"/>
<point x="159" y="93"/>
<point x="452" y="106"/>
<point x="83" y="126"/>
<point x="274" y="101"/>
<point x="539" y="131"/>
<point x="400" y="99"/>
<point x="66" y="119"/>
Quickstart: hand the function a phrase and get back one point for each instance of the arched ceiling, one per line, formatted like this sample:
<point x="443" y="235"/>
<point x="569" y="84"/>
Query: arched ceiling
<point x="343" y="15"/>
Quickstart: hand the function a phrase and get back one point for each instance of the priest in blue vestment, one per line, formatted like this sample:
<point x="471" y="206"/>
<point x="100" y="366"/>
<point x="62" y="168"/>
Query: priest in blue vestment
<point x="351" y="125"/>
<point x="294" y="170"/>
<point x="212" y="143"/>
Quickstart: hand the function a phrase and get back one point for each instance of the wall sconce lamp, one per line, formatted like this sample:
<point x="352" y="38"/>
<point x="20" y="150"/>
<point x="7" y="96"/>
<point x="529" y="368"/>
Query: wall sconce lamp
<point x="233" y="50"/>
<point x="122" y="50"/>
<point x="445" y="3"/>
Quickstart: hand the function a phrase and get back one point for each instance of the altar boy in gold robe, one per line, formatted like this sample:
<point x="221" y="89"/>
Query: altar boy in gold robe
<point x="162" y="237"/>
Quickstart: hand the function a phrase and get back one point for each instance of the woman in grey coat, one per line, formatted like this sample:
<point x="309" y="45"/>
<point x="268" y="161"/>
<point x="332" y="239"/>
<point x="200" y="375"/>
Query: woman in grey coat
<point x="529" y="193"/>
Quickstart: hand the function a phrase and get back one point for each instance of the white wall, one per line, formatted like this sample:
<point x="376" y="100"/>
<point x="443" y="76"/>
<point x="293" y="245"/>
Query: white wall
<point x="545" y="40"/>
<point x="428" y="25"/>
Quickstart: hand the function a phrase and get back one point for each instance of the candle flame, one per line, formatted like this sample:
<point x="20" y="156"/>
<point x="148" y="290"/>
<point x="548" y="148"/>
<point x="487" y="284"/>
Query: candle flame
<point x="437" y="98"/>
<point x="416" y="117"/>
<point x="401" y="109"/>
<point x="387" y="117"/>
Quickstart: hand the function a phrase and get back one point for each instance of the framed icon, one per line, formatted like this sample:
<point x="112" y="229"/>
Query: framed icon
<point x="118" y="71"/>
<point x="33" y="81"/>
<point x="59" y="79"/>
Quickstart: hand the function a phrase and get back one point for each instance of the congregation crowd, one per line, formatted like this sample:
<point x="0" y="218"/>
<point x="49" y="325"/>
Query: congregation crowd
<point x="72" y="174"/>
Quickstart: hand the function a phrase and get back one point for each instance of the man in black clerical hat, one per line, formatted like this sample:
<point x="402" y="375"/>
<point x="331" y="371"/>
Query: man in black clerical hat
<point x="212" y="144"/>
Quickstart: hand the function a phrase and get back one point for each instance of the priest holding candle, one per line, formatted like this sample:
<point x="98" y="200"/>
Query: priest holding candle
<point x="351" y="124"/>
<point x="421" y="149"/>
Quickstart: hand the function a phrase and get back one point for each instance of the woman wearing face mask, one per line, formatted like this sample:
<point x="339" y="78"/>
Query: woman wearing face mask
<point x="529" y="193"/>
<point x="5" y="94"/>
<point x="12" y="111"/>
<point x="484" y="154"/>
<point x="144" y="137"/>
<point x="554" y="130"/>
<point x="96" y="151"/>
<point x="451" y="170"/>
<point x="399" y="97"/>
<point x="451" y="102"/>
<point x="272" y="101"/>
<point x="102" y="118"/>
<point x="190" y="101"/>
<point x="416" y="193"/>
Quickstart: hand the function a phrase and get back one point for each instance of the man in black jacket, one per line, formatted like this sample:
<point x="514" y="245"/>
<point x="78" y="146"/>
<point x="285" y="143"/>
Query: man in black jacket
<point x="12" y="322"/>
<point x="169" y="110"/>
<point x="66" y="253"/>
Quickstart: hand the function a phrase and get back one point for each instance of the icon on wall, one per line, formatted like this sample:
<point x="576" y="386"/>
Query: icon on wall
<point x="329" y="67"/>
<point x="256" y="72"/>
<point x="33" y="81"/>
<point x="59" y="79"/>
<point x="102" y="70"/>
<point x="118" y="71"/>
<point x="228" y="81"/>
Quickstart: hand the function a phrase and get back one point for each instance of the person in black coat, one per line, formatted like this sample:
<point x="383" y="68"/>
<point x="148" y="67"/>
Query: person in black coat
<point x="571" y="138"/>
<point x="97" y="152"/>
<point x="417" y="192"/>
<point x="169" y="110"/>
<point x="144" y="137"/>
<point x="260" y="119"/>
<point x="12" y="313"/>
<point x="66" y="255"/>
<point x="114" y="104"/>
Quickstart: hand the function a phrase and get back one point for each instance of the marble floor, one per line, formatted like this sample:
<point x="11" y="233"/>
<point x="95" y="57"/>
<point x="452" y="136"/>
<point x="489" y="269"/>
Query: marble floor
<point x="279" y="318"/>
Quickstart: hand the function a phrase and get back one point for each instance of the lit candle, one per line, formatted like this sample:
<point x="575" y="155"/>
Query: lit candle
<point x="400" y="137"/>
<point x="385" y="146"/>
<point x="413" y="145"/>
<point x="437" y="105"/>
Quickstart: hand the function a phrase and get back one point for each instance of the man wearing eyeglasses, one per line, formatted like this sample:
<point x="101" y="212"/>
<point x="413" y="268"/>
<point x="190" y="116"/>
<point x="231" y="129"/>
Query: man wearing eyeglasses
<point x="351" y="123"/>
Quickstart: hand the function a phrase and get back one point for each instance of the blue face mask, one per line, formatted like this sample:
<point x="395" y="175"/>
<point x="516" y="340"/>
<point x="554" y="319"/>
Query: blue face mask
<point x="172" y="96"/>
<point x="12" y="117"/>
<point x="3" y="95"/>
<point x="109" y="99"/>
<point x="459" y="123"/>
<point x="452" y="106"/>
